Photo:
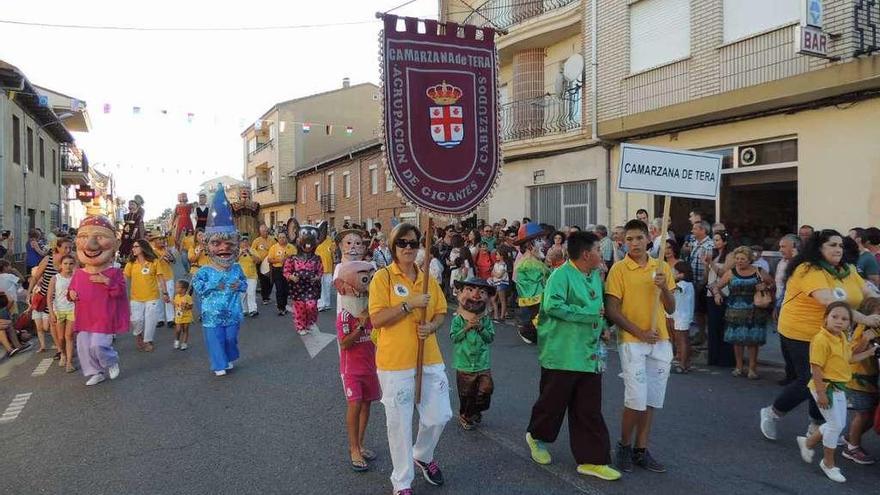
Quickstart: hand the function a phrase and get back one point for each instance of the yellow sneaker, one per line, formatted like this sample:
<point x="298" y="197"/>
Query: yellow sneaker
<point x="603" y="472"/>
<point x="539" y="452"/>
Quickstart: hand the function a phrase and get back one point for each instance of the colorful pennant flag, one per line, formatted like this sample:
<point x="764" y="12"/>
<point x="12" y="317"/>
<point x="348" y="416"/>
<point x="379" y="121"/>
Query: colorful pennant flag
<point x="306" y="128"/>
<point x="136" y="110"/>
<point x="349" y="130"/>
<point x="189" y="117"/>
<point x="106" y="108"/>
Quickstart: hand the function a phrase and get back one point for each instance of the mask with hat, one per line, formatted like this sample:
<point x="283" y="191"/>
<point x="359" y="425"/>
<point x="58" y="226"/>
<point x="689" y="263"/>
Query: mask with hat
<point x="473" y="296"/>
<point x="221" y="236"/>
<point x="352" y="282"/>
<point x="96" y="243"/>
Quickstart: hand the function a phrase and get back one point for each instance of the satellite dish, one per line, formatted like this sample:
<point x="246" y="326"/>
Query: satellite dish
<point x="573" y="68"/>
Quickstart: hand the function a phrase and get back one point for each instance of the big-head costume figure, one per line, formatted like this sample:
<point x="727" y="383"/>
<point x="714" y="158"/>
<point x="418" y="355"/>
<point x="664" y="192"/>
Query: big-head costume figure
<point x="219" y="285"/>
<point x="471" y="332"/>
<point x="246" y="213"/>
<point x="352" y="247"/>
<point x="101" y="303"/>
<point x="133" y="228"/>
<point x="182" y="219"/>
<point x="202" y="210"/>
<point x="304" y="272"/>
<point x="531" y="275"/>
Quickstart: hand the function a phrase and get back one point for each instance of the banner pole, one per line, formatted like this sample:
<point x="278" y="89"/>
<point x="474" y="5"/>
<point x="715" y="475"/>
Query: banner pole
<point x="667" y="201"/>
<point x="426" y="273"/>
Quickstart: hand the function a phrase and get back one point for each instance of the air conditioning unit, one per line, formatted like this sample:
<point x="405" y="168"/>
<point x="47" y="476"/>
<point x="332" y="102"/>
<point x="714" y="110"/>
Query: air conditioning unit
<point x="748" y="156"/>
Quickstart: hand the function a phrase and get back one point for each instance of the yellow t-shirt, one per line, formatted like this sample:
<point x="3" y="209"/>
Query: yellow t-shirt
<point x="260" y="246"/>
<point x="183" y="308"/>
<point x="397" y="344"/>
<point x="634" y="286"/>
<point x="201" y="261"/>
<point x="802" y="315"/>
<point x="143" y="281"/>
<point x="164" y="267"/>
<point x="188" y="242"/>
<point x="325" y="251"/>
<point x="248" y="265"/>
<point x="832" y="354"/>
<point x="279" y="253"/>
<point x="864" y="372"/>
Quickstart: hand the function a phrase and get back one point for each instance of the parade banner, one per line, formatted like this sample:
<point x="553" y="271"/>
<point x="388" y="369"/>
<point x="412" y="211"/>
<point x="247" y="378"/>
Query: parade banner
<point x="440" y="113"/>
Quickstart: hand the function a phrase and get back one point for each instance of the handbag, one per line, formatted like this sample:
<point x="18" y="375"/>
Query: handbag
<point x="23" y="322"/>
<point x="39" y="302"/>
<point x="763" y="299"/>
<point x="265" y="267"/>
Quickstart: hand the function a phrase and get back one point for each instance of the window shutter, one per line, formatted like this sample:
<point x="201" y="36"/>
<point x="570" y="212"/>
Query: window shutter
<point x="660" y="32"/>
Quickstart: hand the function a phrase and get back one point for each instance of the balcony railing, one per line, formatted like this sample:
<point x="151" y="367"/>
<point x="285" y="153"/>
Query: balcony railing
<point x="264" y="188"/>
<point x="505" y="13"/>
<point x="260" y="147"/>
<point x="328" y="203"/>
<point x="542" y="116"/>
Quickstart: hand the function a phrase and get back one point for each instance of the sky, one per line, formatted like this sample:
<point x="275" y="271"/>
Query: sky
<point x="226" y="79"/>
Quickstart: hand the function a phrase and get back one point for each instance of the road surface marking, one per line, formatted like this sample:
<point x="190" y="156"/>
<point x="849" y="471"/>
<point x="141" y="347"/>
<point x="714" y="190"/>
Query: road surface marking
<point x="15" y="407"/>
<point x="43" y="367"/>
<point x="315" y="341"/>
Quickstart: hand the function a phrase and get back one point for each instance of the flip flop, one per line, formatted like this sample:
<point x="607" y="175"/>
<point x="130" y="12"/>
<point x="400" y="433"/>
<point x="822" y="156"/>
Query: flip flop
<point x="368" y="455"/>
<point x="359" y="466"/>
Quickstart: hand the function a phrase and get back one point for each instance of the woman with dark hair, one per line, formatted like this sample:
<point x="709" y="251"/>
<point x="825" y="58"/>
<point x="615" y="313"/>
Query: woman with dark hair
<point x="720" y="353"/>
<point x="817" y="277"/>
<point x="41" y="277"/>
<point x="672" y="253"/>
<point x="473" y="241"/>
<point x="556" y="253"/>
<point x="398" y="302"/>
<point x="148" y="292"/>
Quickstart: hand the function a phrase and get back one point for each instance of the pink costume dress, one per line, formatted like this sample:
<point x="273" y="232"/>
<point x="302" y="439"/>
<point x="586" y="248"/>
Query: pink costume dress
<point x="306" y="291"/>
<point x="101" y="311"/>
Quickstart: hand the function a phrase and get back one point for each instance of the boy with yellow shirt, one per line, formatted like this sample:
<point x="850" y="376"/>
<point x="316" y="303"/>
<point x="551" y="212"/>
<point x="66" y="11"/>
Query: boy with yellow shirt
<point x="247" y="262"/>
<point x="631" y="289"/>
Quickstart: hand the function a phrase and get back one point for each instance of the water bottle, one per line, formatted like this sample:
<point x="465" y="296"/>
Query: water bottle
<point x="601" y="357"/>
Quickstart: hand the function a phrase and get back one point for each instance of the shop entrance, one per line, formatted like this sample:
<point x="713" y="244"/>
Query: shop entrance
<point x="760" y="207"/>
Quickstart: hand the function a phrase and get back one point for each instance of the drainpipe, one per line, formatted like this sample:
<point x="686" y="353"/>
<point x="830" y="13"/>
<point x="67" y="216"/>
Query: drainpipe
<point x="594" y="69"/>
<point x="360" y="191"/>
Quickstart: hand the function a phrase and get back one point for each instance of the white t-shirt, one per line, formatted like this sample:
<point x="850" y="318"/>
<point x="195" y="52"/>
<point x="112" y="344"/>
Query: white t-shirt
<point x="684" y="305"/>
<point x="61" y="302"/>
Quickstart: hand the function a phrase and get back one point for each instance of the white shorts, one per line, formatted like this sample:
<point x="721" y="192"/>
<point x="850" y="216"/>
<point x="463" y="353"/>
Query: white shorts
<point x="40" y="315"/>
<point x="645" y="370"/>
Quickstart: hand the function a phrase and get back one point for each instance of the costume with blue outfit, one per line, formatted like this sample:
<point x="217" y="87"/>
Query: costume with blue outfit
<point x="213" y="284"/>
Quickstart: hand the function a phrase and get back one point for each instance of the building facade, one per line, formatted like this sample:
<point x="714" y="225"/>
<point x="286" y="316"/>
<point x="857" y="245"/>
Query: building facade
<point x="294" y="133"/>
<point x="32" y="143"/>
<point x="722" y="76"/>
<point x="554" y="171"/>
<point x="352" y="186"/>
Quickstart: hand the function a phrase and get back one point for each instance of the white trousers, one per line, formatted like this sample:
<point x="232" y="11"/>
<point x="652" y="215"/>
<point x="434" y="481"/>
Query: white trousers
<point x="249" y="298"/>
<point x="645" y="371"/>
<point x="169" y="306"/>
<point x="326" y="291"/>
<point x="144" y="316"/>
<point x="835" y="419"/>
<point x="398" y="397"/>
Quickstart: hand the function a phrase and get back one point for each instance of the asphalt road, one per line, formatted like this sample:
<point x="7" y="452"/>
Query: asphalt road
<point x="276" y="425"/>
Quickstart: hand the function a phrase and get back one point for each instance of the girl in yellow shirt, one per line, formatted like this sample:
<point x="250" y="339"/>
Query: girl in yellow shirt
<point x="148" y="291"/>
<point x="830" y="359"/>
<point x="861" y="391"/>
<point x="183" y="316"/>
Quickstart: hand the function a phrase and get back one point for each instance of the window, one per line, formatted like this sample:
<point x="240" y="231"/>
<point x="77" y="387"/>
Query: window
<point x="346" y="185"/>
<point x="54" y="167"/>
<point x="317" y="191"/>
<point x="304" y="195"/>
<point x="54" y="216"/>
<point x="374" y="180"/>
<point x="252" y="145"/>
<point x="331" y="184"/>
<point x="30" y="149"/>
<point x="43" y="220"/>
<point x="573" y="203"/>
<point x="32" y="219"/>
<point x="16" y="140"/>
<point x="42" y="158"/>
<point x="659" y="33"/>
<point x="389" y="181"/>
<point x="743" y="18"/>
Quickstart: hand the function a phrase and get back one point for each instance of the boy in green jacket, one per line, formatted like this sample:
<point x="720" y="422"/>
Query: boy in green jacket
<point x="570" y="326"/>
<point x="472" y="331"/>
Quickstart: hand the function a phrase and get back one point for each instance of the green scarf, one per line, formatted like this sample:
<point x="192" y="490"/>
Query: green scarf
<point x="838" y="273"/>
<point x="831" y="387"/>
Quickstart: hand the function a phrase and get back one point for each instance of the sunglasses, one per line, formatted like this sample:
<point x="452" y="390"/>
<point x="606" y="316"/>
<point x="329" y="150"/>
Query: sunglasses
<point x="403" y="243"/>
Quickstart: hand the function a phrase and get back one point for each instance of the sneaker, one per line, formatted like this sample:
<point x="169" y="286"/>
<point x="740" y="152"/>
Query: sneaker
<point x="603" y="472"/>
<point x="644" y="460"/>
<point x="229" y="366"/>
<point x="525" y="339"/>
<point x="177" y="344"/>
<point x="113" y="371"/>
<point x="405" y="491"/>
<point x="539" y="451"/>
<point x="806" y="452"/>
<point x="14" y="351"/>
<point x="254" y="314"/>
<point x="220" y="373"/>
<point x="833" y="473"/>
<point x="858" y="455"/>
<point x="265" y="302"/>
<point x="624" y="460"/>
<point x="431" y="472"/>
<point x="160" y="324"/>
<point x="768" y="423"/>
<point x="184" y="346"/>
<point x="95" y="379"/>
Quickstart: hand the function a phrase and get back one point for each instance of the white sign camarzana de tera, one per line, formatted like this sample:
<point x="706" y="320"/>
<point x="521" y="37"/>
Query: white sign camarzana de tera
<point x="671" y="172"/>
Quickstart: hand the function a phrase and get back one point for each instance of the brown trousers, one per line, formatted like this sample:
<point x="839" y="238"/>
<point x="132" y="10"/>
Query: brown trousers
<point x="474" y="392"/>
<point x="579" y="393"/>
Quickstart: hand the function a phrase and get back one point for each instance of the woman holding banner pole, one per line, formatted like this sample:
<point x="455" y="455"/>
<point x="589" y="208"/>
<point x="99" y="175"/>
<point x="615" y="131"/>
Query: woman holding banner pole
<point x="397" y="303"/>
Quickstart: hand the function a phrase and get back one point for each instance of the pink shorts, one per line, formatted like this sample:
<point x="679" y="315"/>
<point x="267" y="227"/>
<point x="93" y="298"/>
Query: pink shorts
<point x="363" y="388"/>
